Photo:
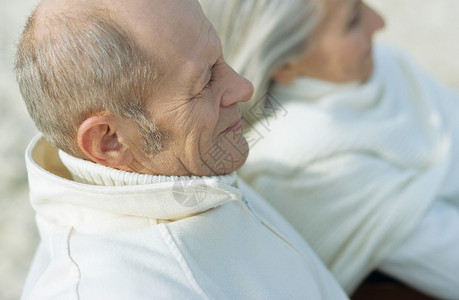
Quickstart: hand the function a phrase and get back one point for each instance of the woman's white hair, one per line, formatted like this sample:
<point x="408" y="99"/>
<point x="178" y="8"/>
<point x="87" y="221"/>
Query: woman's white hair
<point x="261" y="36"/>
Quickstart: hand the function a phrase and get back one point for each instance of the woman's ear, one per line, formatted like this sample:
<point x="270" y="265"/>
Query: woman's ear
<point x="98" y="140"/>
<point x="286" y="75"/>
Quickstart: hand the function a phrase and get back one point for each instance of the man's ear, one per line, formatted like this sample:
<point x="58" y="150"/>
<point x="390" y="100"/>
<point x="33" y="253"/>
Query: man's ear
<point x="285" y="75"/>
<point x="98" y="139"/>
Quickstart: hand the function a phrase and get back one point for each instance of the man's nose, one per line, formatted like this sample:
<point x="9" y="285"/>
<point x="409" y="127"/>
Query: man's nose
<point x="240" y="89"/>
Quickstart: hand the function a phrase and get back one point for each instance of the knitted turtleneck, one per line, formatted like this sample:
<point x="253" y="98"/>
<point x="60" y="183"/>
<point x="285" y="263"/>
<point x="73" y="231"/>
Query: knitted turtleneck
<point x="87" y="172"/>
<point x="92" y="198"/>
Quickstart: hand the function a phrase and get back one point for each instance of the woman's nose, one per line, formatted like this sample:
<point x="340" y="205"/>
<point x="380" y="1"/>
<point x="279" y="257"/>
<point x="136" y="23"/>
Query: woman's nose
<point x="375" y="19"/>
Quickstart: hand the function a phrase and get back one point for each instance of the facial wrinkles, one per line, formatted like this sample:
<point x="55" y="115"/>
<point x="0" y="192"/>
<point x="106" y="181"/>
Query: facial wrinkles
<point x="179" y="76"/>
<point x="197" y="141"/>
<point x="191" y="160"/>
<point x="209" y="140"/>
<point x="206" y="54"/>
<point x="199" y="135"/>
<point x="192" y="68"/>
<point x="184" y="103"/>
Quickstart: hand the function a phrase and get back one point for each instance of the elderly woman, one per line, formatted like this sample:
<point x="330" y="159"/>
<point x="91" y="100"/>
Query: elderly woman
<point x="353" y="144"/>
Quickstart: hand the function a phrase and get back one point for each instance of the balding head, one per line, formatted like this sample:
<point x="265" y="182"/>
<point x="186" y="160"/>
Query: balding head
<point x="79" y="58"/>
<point x="50" y="8"/>
<point x="168" y="18"/>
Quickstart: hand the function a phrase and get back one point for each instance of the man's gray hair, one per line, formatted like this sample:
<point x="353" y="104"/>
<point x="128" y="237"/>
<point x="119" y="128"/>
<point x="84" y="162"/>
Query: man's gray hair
<point x="260" y="36"/>
<point x="75" y="65"/>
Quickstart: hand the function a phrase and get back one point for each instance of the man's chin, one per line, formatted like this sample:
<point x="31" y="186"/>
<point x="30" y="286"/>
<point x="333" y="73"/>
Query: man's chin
<point x="226" y="155"/>
<point x="228" y="167"/>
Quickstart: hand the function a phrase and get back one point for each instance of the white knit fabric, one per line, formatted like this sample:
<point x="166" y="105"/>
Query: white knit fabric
<point x="130" y="236"/>
<point x="87" y="172"/>
<point x="428" y="258"/>
<point x="355" y="166"/>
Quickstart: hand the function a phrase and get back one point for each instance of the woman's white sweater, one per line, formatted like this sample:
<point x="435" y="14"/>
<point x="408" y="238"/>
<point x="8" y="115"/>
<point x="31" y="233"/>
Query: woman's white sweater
<point x="355" y="166"/>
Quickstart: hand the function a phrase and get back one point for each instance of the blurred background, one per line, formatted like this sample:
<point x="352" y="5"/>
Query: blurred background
<point x="428" y="29"/>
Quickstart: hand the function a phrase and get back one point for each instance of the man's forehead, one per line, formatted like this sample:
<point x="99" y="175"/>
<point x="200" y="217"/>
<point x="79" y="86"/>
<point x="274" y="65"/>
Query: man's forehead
<point x="158" y="24"/>
<point x="176" y="32"/>
<point x="158" y="12"/>
<point x="189" y="72"/>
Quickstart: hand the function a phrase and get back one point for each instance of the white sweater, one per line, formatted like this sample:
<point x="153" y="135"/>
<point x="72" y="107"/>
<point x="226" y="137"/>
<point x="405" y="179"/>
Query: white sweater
<point x="354" y="166"/>
<point x="120" y="235"/>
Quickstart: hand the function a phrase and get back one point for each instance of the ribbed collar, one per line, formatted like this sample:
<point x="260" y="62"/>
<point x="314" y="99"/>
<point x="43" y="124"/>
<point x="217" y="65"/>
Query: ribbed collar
<point x="126" y="200"/>
<point x="87" y="172"/>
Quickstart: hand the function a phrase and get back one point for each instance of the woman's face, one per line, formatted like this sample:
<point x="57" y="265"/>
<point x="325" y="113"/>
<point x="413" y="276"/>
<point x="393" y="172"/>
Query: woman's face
<point x="341" y="48"/>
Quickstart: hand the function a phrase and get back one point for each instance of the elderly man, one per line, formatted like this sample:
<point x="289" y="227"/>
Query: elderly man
<point x="133" y="179"/>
